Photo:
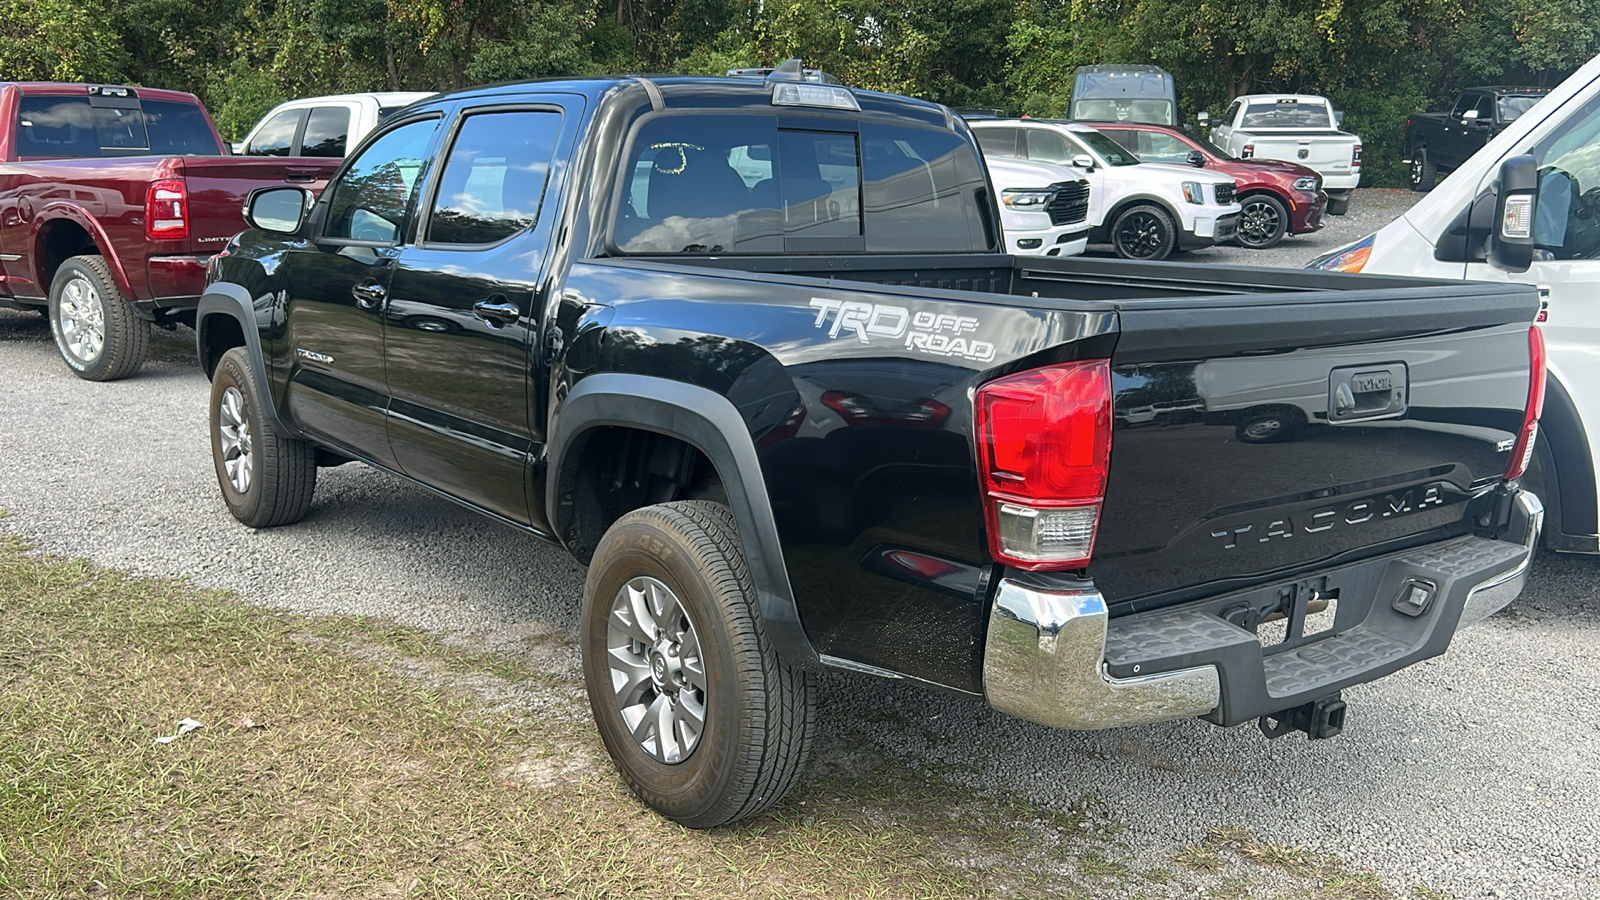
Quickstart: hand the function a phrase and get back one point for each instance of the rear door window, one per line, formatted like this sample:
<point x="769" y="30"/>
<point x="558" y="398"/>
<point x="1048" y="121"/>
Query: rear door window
<point x="923" y="189"/>
<point x="327" y="130"/>
<point x="276" y="136"/>
<point x="494" y="179"/>
<point x="1048" y="146"/>
<point x="999" y="141"/>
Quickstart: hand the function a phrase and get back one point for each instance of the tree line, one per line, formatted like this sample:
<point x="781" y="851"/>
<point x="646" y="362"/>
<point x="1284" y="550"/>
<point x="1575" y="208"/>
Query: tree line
<point x="1379" y="60"/>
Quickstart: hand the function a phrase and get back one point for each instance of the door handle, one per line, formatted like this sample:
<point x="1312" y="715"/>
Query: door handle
<point x="369" y="294"/>
<point x="497" y="311"/>
<point x="300" y="175"/>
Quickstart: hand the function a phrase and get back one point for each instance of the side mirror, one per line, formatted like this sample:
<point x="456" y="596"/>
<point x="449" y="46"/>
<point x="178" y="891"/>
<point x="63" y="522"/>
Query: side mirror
<point x="280" y="210"/>
<point x="1338" y="118"/>
<point x="1468" y="117"/>
<point x="1511" y="238"/>
<point x="1083" y="161"/>
<point x="1204" y="118"/>
<point x="1196" y="159"/>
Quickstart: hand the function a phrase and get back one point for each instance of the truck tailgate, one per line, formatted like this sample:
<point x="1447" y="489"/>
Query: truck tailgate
<point x="1327" y="152"/>
<point x="1235" y="462"/>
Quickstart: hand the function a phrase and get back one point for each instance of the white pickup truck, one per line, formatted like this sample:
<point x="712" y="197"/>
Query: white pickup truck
<point x="1297" y="128"/>
<point x="322" y="126"/>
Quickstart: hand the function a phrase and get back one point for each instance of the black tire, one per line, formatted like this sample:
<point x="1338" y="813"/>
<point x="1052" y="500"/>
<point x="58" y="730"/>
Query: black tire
<point x="97" y="332"/>
<point x="1144" y="231"/>
<point x="1338" y="206"/>
<point x="1263" y="221"/>
<point x="1423" y="172"/>
<point x="755" y="712"/>
<point x="279" y="472"/>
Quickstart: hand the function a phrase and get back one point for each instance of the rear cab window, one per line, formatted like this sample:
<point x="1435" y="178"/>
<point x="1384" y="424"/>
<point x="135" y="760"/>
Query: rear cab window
<point x="73" y="127"/>
<point x="757" y="184"/>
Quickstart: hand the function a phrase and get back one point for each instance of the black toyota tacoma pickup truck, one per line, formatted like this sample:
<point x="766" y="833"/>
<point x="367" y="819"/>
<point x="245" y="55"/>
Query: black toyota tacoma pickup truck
<point x="747" y="349"/>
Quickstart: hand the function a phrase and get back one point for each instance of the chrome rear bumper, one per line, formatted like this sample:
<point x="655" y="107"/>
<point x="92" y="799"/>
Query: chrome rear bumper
<point x="1045" y="657"/>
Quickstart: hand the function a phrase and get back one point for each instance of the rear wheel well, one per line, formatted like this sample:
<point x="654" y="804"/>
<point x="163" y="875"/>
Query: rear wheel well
<point x="58" y="241"/>
<point x="610" y="471"/>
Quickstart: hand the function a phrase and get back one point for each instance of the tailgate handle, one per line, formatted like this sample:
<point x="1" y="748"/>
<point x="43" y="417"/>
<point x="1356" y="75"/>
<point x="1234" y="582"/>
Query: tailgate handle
<point x="300" y="174"/>
<point x="1367" y="392"/>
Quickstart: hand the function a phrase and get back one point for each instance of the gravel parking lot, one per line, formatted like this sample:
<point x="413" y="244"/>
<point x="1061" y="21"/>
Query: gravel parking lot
<point x="1476" y="773"/>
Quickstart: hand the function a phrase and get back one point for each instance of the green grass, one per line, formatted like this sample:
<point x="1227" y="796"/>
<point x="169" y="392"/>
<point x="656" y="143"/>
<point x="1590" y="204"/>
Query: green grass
<point x="349" y="757"/>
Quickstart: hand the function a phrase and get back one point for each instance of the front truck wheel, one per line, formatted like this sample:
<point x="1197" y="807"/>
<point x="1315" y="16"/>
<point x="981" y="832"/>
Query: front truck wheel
<point x="267" y="477"/>
<point x="99" y="335"/>
<point x="704" y="721"/>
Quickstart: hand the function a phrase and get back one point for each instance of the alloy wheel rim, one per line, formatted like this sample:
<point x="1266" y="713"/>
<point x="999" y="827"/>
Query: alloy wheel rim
<point x="233" y="430"/>
<point x="1259" y="223"/>
<point x="1140" y="235"/>
<point x="658" y="675"/>
<point x="81" y="319"/>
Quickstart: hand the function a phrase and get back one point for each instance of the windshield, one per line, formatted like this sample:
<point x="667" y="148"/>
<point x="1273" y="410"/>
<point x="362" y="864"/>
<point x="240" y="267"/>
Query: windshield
<point x="1512" y="107"/>
<point x="1112" y="152"/>
<point x="1287" y="114"/>
<point x="1148" y="111"/>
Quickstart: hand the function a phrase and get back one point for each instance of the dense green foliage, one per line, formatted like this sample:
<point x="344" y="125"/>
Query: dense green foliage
<point x="1377" y="59"/>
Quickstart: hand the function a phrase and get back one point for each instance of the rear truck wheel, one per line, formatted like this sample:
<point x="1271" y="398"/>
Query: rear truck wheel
<point x="95" y="327"/>
<point x="1144" y="232"/>
<point x="1338" y="204"/>
<point x="267" y="477"/>
<point x="1263" y="221"/>
<point x="1422" y="170"/>
<point x="705" y="723"/>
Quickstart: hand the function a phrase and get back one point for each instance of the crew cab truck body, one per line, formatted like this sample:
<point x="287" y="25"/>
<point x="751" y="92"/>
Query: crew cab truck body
<point x="111" y="199"/>
<point x="1440" y="142"/>
<point x="1443" y="236"/>
<point x="820" y="423"/>
<point x="322" y="126"/>
<point x="1297" y="128"/>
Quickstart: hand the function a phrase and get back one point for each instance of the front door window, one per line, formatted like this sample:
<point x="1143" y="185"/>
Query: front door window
<point x="373" y="197"/>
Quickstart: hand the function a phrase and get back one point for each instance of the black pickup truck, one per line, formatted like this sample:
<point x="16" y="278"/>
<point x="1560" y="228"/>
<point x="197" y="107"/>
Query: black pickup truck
<point x="1436" y="143"/>
<point x="747" y="349"/>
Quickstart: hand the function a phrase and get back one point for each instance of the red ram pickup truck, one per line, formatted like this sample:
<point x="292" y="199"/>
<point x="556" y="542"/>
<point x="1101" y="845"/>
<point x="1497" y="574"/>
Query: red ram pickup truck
<point x="111" y="200"/>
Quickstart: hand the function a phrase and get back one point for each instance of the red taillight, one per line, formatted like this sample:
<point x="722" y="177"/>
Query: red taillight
<point x="1044" y="447"/>
<point x="166" y="211"/>
<point x="1522" y="453"/>
<point x="1355" y="157"/>
<point x="1248" y="151"/>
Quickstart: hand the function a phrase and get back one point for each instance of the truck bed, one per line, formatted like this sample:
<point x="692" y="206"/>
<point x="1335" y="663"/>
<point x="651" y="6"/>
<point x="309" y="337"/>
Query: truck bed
<point x="1196" y="505"/>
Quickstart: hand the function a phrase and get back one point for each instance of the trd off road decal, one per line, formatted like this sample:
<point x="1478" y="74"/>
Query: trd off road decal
<point x="938" y="334"/>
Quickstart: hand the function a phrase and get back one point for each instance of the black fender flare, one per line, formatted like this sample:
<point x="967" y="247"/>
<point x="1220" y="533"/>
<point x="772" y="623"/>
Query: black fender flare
<point x="711" y="423"/>
<point x="1568" y="468"/>
<point x="224" y="299"/>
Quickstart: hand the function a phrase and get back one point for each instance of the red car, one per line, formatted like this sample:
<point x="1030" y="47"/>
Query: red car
<point x="1277" y="198"/>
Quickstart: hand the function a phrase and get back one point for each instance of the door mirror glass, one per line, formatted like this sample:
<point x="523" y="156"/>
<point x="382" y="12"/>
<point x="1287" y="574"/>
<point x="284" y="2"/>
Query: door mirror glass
<point x="1511" y="239"/>
<point x="280" y="210"/>
<point x="1204" y="118"/>
<point x="1083" y="161"/>
<point x="1196" y="159"/>
<point x="1338" y="118"/>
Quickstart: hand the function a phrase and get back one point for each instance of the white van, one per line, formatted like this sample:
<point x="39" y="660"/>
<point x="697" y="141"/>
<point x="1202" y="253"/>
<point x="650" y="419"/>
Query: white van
<point x="1445" y="236"/>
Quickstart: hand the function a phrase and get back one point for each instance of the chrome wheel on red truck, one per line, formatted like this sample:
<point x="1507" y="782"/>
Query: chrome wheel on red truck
<point x="95" y="328"/>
